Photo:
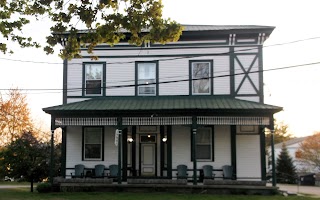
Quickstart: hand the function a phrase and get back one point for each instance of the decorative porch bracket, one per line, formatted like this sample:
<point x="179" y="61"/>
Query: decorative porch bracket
<point x="148" y="121"/>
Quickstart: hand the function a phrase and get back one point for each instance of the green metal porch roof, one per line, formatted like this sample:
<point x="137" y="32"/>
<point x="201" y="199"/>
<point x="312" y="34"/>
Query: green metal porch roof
<point x="173" y="103"/>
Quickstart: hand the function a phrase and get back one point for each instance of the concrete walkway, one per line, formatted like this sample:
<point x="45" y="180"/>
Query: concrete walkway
<point x="300" y="189"/>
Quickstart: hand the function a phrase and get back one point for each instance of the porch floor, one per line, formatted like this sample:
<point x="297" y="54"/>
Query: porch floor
<point x="103" y="185"/>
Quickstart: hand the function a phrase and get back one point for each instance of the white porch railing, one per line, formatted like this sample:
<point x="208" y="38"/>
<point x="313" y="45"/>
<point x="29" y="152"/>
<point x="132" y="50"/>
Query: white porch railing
<point x="186" y="120"/>
<point x="211" y="120"/>
<point x="93" y="121"/>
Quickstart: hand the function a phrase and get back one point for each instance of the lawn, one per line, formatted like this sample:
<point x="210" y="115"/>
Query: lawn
<point x="25" y="194"/>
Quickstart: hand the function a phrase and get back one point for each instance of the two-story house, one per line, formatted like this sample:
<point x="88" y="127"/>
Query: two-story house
<point x="148" y="109"/>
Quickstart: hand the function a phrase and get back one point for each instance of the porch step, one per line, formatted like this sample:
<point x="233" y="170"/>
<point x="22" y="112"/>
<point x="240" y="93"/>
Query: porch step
<point x="158" y="181"/>
<point x="233" y="182"/>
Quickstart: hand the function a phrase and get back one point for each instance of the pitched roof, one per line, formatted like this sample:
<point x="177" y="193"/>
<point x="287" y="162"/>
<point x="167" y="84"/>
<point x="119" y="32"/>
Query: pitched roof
<point x="169" y="103"/>
<point x="188" y="27"/>
<point x="291" y="142"/>
<point x="215" y="28"/>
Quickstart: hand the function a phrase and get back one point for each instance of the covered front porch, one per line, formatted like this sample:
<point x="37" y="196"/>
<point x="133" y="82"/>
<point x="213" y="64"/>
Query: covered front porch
<point x="147" y="141"/>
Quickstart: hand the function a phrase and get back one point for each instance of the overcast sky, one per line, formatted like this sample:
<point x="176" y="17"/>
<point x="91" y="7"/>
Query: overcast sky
<point x="295" y="89"/>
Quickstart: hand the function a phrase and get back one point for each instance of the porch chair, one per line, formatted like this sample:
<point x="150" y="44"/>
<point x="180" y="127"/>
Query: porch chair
<point x="78" y="171"/>
<point x="113" y="171"/>
<point x="182" y="172"/>
<point x="227" y="172"/>
<point x="208" y="172"/>
<point x="99" y="171"/>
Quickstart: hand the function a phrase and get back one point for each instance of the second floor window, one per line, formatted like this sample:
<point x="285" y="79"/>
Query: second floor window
<point x="146" y="79"/>
<point x="200" y="74"/>
<point x="93" y="79"/>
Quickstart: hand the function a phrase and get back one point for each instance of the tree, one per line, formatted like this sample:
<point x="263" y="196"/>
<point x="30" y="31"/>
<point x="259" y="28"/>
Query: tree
<point x="105" y="21"/>
<point x="285" y="170"/>
<point x="28" y="158"/>
<point x="14" y="116"/>
<point x="281" y="133"/>
<point x="309" y="151"/>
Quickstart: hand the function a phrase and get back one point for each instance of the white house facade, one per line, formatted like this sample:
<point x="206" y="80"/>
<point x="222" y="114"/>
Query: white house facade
<point x="149" y="109"/>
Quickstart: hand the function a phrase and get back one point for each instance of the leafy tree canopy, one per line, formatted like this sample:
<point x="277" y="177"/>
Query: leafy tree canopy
<point x="25" y="157"/>
<point x="14" y="116"/>
<point x="281" y="133"/>
<point x="309" y="151"/>
<point x="106" y="21"/>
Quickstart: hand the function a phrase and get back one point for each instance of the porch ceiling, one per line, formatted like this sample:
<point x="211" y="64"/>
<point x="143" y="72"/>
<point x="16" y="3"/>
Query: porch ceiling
<point x="169" y="104"/>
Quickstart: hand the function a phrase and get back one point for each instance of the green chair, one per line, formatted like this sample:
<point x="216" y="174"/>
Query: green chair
<point x="78" y="171"/>
<point x="208" y="172"/>
<point x="99" y="171"/>
<point x="227" y="172"/>
<point x="113" y="171"/>
<point x="182" y="171"/>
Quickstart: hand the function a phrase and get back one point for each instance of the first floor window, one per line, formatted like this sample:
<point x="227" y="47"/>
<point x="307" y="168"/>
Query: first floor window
<point x="93" y="79"/>
<point x="93" y="141"/>
<point x="204" y="144"/>
<point x="201" y="82"/>
<point x="147" y="75"/>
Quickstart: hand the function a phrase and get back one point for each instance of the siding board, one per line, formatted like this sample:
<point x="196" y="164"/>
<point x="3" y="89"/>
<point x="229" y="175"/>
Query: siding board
<point x="248" y="158"/>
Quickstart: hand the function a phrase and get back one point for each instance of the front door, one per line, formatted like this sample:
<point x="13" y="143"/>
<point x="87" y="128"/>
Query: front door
<point x="148" y="161"/>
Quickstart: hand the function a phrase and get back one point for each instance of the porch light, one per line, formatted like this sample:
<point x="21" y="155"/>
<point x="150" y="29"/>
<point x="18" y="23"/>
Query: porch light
<point x="149" y="135"/>
<point x="164" y="139"/>
<point x="130" y="139"/>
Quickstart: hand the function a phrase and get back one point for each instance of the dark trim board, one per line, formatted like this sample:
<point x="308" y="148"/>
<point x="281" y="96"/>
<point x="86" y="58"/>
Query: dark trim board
<point x="65" y="81"/>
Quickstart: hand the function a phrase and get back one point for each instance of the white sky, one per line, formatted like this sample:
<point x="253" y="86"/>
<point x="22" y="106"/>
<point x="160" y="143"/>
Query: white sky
<point x="297" y="89"/>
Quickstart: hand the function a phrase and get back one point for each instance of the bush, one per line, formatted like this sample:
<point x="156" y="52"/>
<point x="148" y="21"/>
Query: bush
<point x="44" y="187"/>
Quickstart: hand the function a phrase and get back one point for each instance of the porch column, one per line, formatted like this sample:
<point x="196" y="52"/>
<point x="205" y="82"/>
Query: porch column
<point x="119" y="148"/>
<point x="194" y="132"/>
<point x="52" y="149"/>
<point x="162" y="150"/>
<point x="234" y="151"/>
<point x="63" y="152"/>
<point x="273" y="161"/>
<point x="133" y="150"/>
<point x="169" y="151"/>
<point x="262" y="153"/>
<point x="124" y="154"/>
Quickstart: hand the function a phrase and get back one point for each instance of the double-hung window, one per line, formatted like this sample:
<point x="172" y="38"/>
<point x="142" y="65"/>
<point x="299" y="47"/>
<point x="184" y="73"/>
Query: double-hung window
<point x="93" y="143"/>
<point x="204" y="144"/>
<point x="201" y="77"/>
<point x="146" y="78"/>
<point x="93" y="79"/>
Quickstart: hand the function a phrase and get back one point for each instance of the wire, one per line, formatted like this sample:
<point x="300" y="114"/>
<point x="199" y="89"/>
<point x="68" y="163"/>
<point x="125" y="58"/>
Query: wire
<point x="174" y="81"/>
<point x="167" y="59"/>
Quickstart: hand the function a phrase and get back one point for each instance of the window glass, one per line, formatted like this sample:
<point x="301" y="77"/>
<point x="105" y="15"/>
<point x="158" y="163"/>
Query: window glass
<point x="201" y="78"/>
<point x="93" y="143"/>
<point x="204" y="144"/>
<point x="93" y="78"/>
<point x="147" y="75"/>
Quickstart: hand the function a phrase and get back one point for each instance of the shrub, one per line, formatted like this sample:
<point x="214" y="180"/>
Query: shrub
<point x="44" y="187"/>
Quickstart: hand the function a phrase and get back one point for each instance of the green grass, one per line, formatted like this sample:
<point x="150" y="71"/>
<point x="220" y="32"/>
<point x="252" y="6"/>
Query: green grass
<point x="14" y="183"/>
<point x="25" y="194"/>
